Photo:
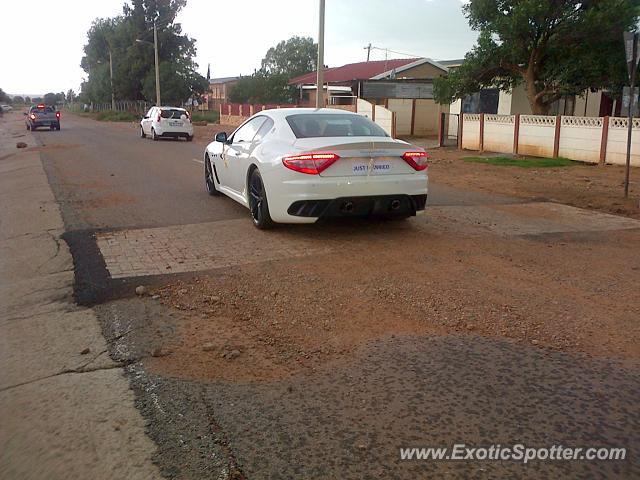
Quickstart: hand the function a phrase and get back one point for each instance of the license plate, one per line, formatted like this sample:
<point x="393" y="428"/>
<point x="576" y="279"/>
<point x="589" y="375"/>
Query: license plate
<point x="175" y="124"/>
<point x="375" y="169"/>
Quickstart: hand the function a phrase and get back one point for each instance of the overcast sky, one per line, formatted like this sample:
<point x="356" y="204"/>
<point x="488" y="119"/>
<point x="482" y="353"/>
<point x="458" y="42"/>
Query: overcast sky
<point x="41" y="40"/>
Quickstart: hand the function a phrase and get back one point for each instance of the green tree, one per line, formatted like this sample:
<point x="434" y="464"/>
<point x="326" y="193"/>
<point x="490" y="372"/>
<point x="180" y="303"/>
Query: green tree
<point x="133" y="62"/>
<point x="270" y="84"/>
<point x="292" y="57"/>
<point x="27" y="100"/>
<point x="4" y="98"/>
<point x="18" y="100"/>
<point x="553" y="47"/>
<point x="70" y="97"/>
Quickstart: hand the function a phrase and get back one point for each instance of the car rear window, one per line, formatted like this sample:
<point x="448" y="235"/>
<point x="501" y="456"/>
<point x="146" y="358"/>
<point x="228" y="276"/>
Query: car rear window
<point x="42" y="109"/>
<point x="313" y="125"/>
<point x="172" y="113"/>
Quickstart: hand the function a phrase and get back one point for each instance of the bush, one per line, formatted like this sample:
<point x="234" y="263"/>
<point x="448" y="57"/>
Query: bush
<point x="114" y="116"/>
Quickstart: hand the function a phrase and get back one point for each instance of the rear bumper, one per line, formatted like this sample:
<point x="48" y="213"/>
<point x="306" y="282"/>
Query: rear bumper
<point x="369" y="206"/>
<point x="46" y="123"/>
<point x="174" y="132"/>
<point x="299" y="198"/>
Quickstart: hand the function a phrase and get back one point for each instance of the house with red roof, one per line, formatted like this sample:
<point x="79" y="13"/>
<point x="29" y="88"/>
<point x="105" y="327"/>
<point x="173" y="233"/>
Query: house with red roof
<point x="403" y="86"/>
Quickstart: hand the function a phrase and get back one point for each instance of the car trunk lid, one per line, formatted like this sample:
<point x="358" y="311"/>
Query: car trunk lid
<point x="360" y="156"/>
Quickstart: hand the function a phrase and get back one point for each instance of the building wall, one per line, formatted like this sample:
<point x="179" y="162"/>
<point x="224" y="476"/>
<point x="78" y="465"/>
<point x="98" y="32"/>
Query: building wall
<point x="423" y="71"/>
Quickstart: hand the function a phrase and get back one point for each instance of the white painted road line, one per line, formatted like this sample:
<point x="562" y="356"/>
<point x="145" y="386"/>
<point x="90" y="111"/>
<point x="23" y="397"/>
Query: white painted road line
<point x="196" y="160"/>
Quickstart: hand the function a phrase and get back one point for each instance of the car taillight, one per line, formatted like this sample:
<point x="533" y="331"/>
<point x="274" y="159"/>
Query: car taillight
<point x="58" y="115"/>
<point x="311" y="163"/>
<point x="417" y="160"/>
<point x="33" y="116"/>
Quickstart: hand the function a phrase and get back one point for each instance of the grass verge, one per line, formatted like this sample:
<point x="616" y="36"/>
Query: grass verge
<point x="524" y="162"/>
<point x="210" y="116"/>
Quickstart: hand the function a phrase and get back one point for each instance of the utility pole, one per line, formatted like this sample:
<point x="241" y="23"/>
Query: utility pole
<point x="113" y="94"/>
<point x="320" y="78"/>
<point x="631" y="47"/>
<point x="368" y="49"/>
<point x="155" y="47"/>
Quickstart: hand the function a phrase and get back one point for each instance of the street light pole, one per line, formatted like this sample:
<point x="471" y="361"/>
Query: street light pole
<point x="320" y="78"/>
<point x="155" y="47"/>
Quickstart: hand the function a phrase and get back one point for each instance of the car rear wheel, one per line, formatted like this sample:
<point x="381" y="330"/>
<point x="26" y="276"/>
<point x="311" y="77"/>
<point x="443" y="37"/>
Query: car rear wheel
<point x="154" y="137"/>
<point x="208" y="178"/>
<point x="258" y="202"/>
<point x="189" y="138"/>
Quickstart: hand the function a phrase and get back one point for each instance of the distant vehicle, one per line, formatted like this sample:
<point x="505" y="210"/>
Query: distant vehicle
<point x="167" y="122"/>
<point x="296" y="165"/>
<point x="42" y="115"/>
<point x="6" y="108"/>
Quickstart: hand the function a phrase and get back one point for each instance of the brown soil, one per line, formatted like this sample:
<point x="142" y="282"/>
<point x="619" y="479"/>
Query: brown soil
<point x="583" y="185"/>
<point x="283" y="317"/>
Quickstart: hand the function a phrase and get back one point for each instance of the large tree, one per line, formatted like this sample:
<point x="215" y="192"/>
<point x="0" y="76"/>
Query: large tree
<point x="553" y="47"/>
<point x="133" y="61"/>
<point x="292" y="57"/>
<point x="270" y="84"/>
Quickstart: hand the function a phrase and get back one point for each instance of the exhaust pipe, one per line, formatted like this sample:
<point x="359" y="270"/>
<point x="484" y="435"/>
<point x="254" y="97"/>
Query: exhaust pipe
<point x="395" y="204"/>
<point x="347" y="207"/>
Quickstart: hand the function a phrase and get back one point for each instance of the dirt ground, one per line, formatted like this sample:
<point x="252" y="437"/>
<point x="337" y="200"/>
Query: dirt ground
<point x="271" y="320"/>
<point x="582" y="185"/>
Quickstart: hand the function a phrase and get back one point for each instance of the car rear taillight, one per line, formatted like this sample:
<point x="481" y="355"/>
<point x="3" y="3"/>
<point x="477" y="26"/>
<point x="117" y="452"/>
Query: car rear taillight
<point x="58" y="115"/>
<point x="417" y="160"/>
<point x="311" y="163"/>
<point x="33" y="116"/>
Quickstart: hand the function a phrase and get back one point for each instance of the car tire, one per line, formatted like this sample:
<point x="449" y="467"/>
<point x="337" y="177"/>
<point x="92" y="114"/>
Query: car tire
<point x="142" y="135"/>
<point x="58" y="127"/>
<point x="258" y="205"/>
<point x="189" y="138"/>
<point x="209" y="181"/>
<point x="154" y="137"/>
<point x="29" y="127"/>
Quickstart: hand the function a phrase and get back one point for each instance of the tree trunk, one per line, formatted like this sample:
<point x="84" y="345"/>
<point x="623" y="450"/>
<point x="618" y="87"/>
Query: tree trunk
<point x="535" y="102"/>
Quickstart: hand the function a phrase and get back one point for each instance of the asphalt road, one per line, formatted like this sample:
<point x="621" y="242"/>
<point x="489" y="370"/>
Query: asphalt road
<point x="348" y="421"/>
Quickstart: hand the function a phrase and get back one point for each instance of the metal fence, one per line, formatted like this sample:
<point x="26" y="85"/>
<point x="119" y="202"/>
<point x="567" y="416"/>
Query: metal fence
<point x="133" y="106"/>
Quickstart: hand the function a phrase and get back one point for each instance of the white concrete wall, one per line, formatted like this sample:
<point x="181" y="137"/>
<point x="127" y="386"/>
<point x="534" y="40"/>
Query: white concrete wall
<point x="364" y="108"/>
<point x="498" y="133"/>
<point x="504" y="103"/>
<point x="403" y="108"/>
<point x="384" y="118"/>
<point x="537" y="135"/>
<point x="580" y="138"/>
<point x="471" y="131"/>
<point x="617" y="141"/>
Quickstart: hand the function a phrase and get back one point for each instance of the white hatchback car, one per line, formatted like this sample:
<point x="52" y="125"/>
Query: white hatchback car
<point x="167" y="122"/>
<point x="296" y="165"/>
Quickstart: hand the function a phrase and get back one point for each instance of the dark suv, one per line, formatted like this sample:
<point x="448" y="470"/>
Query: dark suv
<point x="42" y="115"/>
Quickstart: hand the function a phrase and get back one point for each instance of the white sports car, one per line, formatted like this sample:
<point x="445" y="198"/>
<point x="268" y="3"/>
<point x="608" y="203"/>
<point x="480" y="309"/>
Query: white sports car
<point x="296" y="165"/>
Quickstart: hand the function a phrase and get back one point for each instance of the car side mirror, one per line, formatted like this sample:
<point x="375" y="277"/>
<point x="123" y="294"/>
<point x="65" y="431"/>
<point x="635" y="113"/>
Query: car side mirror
<point x="221" y="137"/>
